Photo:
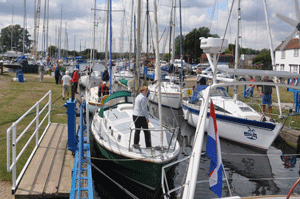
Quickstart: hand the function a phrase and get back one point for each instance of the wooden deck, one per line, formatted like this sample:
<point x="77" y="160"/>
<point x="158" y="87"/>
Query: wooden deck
<point x="49" y="174"/>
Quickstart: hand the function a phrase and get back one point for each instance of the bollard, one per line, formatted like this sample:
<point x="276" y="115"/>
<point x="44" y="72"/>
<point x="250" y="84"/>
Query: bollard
<point x="72" y="136"/>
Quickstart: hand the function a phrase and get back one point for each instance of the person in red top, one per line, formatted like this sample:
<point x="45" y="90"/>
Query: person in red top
<point x="103" y="90"/>
<point x="75" y="80"/>
<point x="249" y="90"/>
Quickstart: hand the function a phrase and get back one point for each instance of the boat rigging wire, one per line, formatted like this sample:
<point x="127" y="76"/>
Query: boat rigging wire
<point x="120" y="186"/>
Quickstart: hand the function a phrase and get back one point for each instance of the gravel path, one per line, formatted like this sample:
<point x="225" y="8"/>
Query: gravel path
<point x="5" y="190"/>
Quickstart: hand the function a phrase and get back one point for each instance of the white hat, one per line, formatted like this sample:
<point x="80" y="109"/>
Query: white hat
<point x="104" y="82"/>
<point x="67" y="72"/>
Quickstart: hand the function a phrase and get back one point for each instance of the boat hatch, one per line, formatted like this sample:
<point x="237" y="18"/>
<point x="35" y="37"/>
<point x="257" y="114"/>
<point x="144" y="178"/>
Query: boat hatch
<point x="246" y="109"/>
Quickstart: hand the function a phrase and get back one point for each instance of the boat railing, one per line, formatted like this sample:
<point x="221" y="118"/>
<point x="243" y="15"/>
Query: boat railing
<point x="12" y="148"/>
<point x="172" y="142"/>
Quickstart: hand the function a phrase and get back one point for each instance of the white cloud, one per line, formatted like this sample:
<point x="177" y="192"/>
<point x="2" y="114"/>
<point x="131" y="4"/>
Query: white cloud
<point x="195" y="13"/>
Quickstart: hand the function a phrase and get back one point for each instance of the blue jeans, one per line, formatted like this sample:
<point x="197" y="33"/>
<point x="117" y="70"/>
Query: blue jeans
<point x="249" y="91"/>
<point x="266" y="100"/>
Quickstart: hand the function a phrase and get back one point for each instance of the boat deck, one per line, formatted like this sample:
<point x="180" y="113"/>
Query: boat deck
<point x="48" y="174"/>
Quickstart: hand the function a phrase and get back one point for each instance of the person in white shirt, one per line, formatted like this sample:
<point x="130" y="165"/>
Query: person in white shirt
<point x="141" y="117"/>
<point x="66" y="83"/>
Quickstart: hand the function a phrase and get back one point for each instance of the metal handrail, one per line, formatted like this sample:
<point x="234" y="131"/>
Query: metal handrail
<point x="151" y="129"/>
<point x="15" y="139"/>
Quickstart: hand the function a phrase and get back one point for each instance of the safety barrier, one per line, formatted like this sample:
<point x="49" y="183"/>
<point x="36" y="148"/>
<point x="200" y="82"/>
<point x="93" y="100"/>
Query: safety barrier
<point x="12" y="144"/>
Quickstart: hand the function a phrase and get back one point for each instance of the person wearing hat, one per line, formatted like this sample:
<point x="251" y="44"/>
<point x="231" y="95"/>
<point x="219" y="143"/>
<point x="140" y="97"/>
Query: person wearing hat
<point x="66" y="82"/>
<point x="75" y="80"/>
<point x="102" y="89"/>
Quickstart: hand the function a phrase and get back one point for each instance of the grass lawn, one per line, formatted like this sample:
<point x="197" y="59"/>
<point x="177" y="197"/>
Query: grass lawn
<point x="16" y="99"/>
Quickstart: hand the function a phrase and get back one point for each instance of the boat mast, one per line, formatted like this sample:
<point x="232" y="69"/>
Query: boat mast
<point x="110" y="44"/>
<point x="158" y="71"/>
<point x="12" y="28"/>
<point x="147" y="15"/>
<point x="181" y="53"/>
<point x="106" y="41"/>
<point x="60" y="29"/>
<point x="272" y="55"/>
<point x="47" y="31"/>
<point x="130" y="44"/>
<point x="171" y="24"/>
<point x="174" y="28"/>
<point x="24" y="27"/>
<point x="237" y="45"/>
<point x="93" y="63"/>
<point x="138" y="46"/>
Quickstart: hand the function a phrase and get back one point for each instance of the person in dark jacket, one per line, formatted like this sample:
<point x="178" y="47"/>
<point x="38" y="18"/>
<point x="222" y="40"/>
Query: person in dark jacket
<point x="105" y="76"/>
<point x="57" y="73"/>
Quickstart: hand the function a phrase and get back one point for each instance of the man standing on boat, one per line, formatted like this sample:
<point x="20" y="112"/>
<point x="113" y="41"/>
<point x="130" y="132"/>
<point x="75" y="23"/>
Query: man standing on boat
<point x="266" y="99"/>
<point x="141" y="117"/>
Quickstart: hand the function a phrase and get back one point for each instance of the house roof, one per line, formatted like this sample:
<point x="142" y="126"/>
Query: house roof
<point x="293" y="44"/>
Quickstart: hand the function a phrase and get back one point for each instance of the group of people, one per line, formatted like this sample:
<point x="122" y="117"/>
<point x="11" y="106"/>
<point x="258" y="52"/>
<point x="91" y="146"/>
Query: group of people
<point x="67" y="81"/>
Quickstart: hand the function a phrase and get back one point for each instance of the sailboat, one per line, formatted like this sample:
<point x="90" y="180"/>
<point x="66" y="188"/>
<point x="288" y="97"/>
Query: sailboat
<point x="170" y="91"/>
<point x="113" y="129"/>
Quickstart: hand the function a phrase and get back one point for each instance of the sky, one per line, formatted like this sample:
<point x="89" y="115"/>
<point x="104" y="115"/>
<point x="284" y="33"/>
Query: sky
<point x="78" y="19"/>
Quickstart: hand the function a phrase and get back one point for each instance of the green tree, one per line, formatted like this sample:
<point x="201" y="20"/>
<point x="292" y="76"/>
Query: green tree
<point x="17" y="38"/>
<point x="264" y="58"/>
<point x="191" y="42"/>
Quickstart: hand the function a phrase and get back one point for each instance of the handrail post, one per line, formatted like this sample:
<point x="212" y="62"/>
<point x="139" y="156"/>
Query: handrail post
<point x="50" y="98"/>
<point x="8" y="149"/>
<point x="14" y="152"/>
<point x="37" y="124"/>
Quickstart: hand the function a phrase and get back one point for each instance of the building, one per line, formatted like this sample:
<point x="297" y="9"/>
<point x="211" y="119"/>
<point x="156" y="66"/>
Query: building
<point x="288" y="59"/>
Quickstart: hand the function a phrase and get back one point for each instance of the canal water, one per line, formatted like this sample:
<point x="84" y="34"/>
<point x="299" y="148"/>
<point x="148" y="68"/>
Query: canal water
<point x="249" y="172"/>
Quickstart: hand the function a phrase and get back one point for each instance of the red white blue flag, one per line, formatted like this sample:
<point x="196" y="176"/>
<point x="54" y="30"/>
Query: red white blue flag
<point x="213" y="151"/>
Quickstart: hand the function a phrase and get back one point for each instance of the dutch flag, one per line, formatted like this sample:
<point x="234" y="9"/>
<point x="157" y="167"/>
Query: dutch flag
<point x="213" y="151"/>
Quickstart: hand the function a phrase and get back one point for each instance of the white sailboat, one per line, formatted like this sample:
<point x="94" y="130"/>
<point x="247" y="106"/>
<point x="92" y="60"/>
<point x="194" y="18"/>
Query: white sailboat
<point x="113" y="129"/>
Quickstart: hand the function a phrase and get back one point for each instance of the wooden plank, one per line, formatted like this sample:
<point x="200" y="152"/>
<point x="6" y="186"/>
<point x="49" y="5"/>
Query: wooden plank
<point x="51" y="188"/>
<point x="47" y="162"/>
<point x="49" y="173"/>
<point x="28" y="179"/>
<point x="64" y="188"/>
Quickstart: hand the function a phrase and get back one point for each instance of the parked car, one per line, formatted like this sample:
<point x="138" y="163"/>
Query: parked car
<point x="199" y="66"/>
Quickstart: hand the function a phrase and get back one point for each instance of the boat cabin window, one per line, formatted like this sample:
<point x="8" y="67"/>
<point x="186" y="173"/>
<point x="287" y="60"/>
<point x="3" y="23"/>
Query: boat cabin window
<point x="197" y="102"/>
<point x="219" y="92"/>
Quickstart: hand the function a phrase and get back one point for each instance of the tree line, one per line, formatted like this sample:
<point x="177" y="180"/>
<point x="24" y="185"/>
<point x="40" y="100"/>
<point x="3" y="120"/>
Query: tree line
<point x="190" y="46"/>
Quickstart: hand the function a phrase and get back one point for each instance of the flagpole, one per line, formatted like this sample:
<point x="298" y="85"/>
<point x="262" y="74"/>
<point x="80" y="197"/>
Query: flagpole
<point x="227" y="180"/>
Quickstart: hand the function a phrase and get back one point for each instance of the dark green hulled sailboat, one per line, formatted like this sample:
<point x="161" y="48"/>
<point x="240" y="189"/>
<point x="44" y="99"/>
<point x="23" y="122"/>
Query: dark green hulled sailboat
<point x="113" y="130"/>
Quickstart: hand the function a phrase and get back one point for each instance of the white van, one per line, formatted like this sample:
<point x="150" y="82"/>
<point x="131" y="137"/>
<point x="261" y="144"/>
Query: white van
<point x="209" y="70"/>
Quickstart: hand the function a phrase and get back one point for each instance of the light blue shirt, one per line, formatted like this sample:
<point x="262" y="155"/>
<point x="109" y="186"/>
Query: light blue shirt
<point x="140" y="107"/>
